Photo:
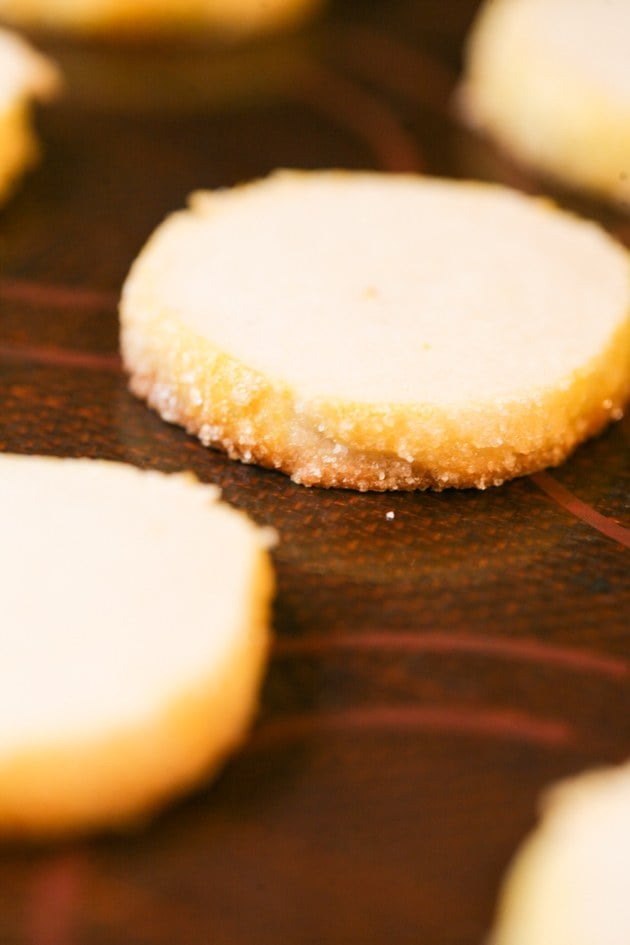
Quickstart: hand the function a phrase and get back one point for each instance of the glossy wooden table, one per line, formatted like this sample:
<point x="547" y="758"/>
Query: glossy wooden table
<point x="432" y="670"/>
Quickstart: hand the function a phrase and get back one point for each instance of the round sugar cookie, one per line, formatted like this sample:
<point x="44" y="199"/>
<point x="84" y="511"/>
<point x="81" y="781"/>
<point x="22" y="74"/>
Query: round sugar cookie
<point x="228" y="19"/>
<point x="569" y="883"/>
<point x="374" y="331"/>
<point x="134" y="633"/>
<point x="549" y="80"/>
<point x="24" y="77"/>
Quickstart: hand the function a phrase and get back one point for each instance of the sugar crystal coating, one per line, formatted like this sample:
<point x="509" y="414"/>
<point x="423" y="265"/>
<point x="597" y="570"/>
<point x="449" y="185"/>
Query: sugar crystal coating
<point x="498" y="338"/>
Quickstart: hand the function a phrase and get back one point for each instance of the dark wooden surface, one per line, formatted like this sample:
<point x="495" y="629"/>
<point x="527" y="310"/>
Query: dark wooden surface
<point x="432" y="672"/>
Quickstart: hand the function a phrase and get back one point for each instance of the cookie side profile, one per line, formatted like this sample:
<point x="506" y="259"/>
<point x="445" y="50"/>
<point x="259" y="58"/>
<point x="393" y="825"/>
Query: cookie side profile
<point x="375" y="331"/>
<point x="549" y="81"/>
<point x="25" y="76"/>
<point x="227" y="19"/>
<point x="568" y="884"/>
<point x="134" y="638"/>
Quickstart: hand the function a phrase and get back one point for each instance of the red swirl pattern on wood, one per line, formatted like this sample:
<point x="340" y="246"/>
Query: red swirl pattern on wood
<point x="582" y="510"/>
<point x="403" y="719"/>
<point x="527" y="650"/>
<point x="55" y="893"/>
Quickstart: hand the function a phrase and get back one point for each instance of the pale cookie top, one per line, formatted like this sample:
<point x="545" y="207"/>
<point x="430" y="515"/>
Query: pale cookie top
<point x="120" y="589"/>
<point x="379" y="288"/>
<point x="590" y="38"/>
<point x="569" y="886"/>
<point x="23" y="72"/>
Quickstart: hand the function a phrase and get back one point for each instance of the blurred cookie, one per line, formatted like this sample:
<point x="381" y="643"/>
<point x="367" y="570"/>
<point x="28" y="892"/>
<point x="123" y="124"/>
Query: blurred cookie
<point x="24" y="76"/>
<point x="228" y="19"/>
<point x="569" y="882"/>
<point x="549" y="80"/>
<point x="134" y="633"/>
<point x="374" y="331"/>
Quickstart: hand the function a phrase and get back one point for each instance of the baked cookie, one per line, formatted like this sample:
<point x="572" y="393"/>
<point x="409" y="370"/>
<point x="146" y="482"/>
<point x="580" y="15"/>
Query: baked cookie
<point x="569" y="883"/>
<point x="134" y="636"/>
<point x="374" y="331"/>
<point x="24" y="76"/>
<point x="226" y="18"/>
<point x="549" y="80"/>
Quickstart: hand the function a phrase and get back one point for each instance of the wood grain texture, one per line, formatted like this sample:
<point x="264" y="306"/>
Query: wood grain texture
<point x="433" y="670"/>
